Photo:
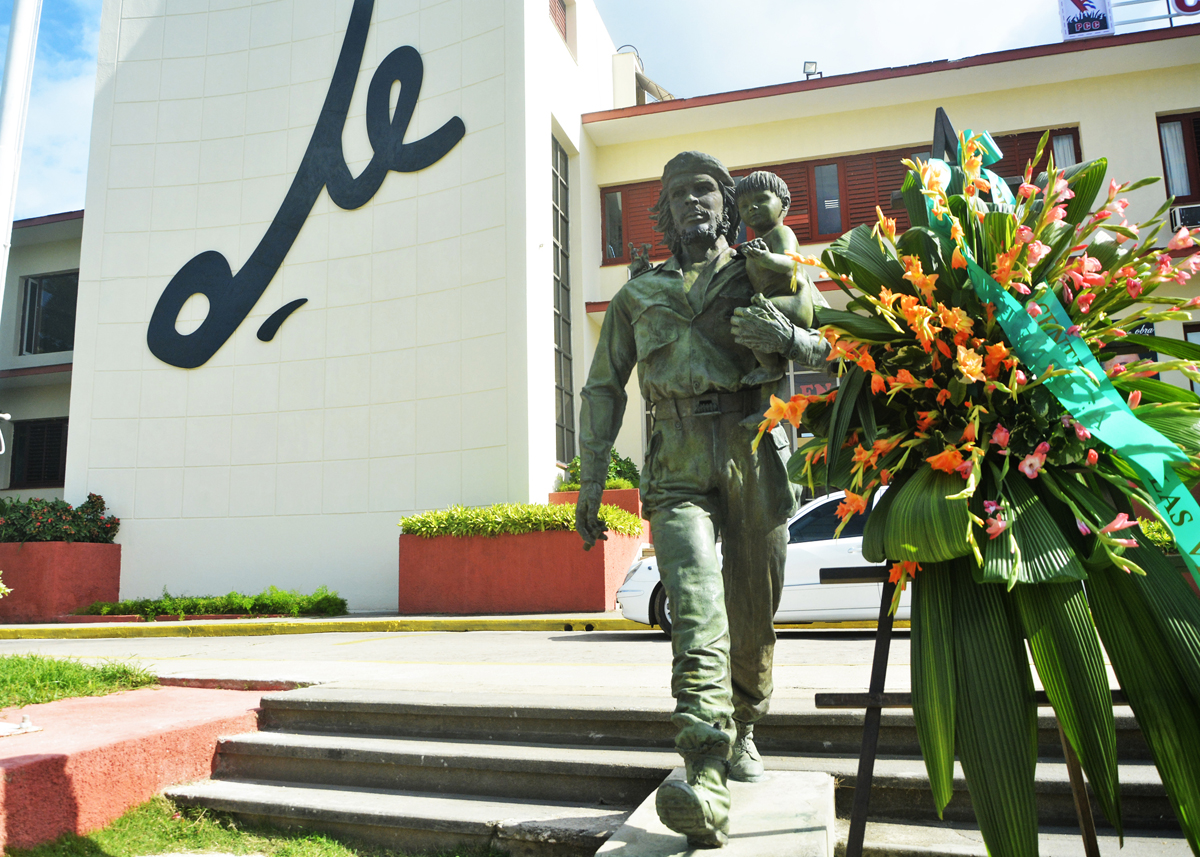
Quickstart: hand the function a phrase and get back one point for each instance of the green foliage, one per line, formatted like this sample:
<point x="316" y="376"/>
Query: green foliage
<point x="511" y="519"/>
<point x="269" y="602"/>
<point x="34" y="679"/>
<point x="4" y="590"/>
<point x="619" y="468"/>
<point x="160" y="827"/>
<point x="1158" y="535"/>
<point x="56" y="521"/>
<point x="609" y="485"/>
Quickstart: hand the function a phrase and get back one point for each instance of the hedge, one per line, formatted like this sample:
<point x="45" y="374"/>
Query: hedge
<point x="511" y="518"/>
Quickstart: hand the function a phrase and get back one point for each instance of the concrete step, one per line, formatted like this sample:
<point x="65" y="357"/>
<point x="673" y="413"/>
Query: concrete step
<point x="589" y="774"/>
<point x="627" y="775"/>
<point x="793" y="726"/>
<point x="934" y="839"/>
<point x="411" y="821"/>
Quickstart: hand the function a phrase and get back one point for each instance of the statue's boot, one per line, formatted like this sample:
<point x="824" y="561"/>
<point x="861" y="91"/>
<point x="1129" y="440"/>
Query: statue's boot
<point x="746" y="765"/>
<point x="699" y="807"/>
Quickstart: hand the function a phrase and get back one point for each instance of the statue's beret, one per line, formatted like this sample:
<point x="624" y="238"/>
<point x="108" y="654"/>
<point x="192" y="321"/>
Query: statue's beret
<point x="692" y="163"/>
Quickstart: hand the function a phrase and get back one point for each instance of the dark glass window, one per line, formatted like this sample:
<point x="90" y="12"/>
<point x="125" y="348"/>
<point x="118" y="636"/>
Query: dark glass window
<point x="39" y="454"/>
<point x="614" y="233"/>
<point x="821" y="523"/>
<point x="48" y="320"/>
<point x="829" y="207"/>
<point x="1178" y="136"/>
<point x="564" y="398"/>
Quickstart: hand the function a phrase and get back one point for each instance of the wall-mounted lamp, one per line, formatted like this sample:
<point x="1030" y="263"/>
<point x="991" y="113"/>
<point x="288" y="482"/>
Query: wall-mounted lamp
<point x="810" y="71"/>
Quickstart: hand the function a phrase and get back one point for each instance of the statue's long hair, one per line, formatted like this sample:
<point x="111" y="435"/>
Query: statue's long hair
<point x="664" y="222"/>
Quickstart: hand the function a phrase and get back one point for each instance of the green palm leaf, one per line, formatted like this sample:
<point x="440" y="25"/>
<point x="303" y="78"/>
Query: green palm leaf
<point x="869" y="266"/>
<point x="1086" y="180"/>
<point x="865" y="327"/>
<point x="995" y="716"/>
<point x="1043" y="555"/>
<point x="1067" y="654"/>
<point x="922" y="524"/>
<point x="873" y="532"/>
<point x="1155" y="391"/>
<point x="1178" y="427"/>
<point x="843" y="409"/>
<point x="1164" y="345"/>
<point x="1158" y="694"/>
<point x="932" y="667"/>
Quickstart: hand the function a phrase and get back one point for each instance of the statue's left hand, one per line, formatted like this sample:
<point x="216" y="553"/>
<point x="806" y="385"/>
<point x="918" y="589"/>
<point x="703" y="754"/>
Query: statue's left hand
<point x="762" y="327"/>
<point x="587" y="514"/>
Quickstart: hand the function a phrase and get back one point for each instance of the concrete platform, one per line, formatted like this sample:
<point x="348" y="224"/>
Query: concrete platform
<point x="97" y="757"/>
<point x="787" y="814"/>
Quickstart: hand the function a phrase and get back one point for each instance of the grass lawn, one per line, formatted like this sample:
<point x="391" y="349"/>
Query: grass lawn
<point x="31" y="679"/>
<point x="158" y="827"/>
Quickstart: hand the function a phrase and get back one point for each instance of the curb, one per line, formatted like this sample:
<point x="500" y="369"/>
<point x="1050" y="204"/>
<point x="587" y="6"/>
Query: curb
<point x="334" y="626"/>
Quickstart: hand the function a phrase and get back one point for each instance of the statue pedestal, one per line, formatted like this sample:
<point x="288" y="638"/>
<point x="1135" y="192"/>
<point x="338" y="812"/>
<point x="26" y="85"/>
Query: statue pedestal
<point x="788" y="814"/>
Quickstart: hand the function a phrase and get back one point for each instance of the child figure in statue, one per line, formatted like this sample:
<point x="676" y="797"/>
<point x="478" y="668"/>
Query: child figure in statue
<point x="762" y="200"/>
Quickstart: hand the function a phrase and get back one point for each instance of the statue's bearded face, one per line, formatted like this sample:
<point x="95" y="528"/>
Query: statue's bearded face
<point x="698" y="208"/>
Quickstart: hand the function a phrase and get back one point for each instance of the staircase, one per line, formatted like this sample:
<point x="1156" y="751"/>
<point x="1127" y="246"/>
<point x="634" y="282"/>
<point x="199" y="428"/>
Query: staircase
<point x="552" y="776"/>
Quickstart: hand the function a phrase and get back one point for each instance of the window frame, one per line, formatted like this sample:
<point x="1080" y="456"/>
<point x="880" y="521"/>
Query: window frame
<point x="18" y="469"/>
<point x="1191" y="150"/>
<point x="23" y="331"/>
<point x="814" y="216"/>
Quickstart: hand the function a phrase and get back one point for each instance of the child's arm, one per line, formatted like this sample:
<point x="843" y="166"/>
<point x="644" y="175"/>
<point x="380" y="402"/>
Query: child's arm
<point x="777" y="262"/>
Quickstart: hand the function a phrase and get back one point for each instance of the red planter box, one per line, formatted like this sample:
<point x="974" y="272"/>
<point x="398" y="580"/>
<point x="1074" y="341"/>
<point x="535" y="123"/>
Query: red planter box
<point x="528" y="573"/>
<point x="49" y="579"/>
<point x="629" y="499"/>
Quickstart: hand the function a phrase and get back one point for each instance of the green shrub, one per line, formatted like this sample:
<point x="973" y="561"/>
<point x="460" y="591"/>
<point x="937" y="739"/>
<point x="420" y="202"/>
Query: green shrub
<point x="271" y="601"/>
<point x="1158" y="534"/>
<point x="618" y="468"/>
<point x="511" y="518"/>
<point x="4" y="590"/>
<point x="610" y="484"/>
<point x="56" y="521"/>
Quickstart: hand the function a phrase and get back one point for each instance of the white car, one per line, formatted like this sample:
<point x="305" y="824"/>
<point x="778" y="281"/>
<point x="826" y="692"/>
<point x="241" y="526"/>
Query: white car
<point x="813" y="556"/>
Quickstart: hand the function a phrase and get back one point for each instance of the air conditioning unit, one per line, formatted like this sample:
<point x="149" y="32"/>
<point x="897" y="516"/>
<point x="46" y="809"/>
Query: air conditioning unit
<point x="1185" y="215"/>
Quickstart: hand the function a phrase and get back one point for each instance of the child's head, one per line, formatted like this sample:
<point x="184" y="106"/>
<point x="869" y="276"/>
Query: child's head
<point x="754" y="199"/>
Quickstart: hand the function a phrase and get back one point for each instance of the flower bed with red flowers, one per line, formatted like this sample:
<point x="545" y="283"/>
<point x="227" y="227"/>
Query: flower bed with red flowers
<point x="57" y="521"/>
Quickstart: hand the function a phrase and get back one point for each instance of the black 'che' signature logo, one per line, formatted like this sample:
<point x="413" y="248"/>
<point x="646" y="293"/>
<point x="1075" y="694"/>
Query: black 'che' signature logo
<point x="324" y="166"/>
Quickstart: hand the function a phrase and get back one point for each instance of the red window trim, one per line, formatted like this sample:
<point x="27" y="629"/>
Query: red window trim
<point x="1192" y="151"/>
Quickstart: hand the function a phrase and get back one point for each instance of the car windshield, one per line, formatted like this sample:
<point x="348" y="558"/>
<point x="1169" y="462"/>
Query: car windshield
<point x="820" y="523"/>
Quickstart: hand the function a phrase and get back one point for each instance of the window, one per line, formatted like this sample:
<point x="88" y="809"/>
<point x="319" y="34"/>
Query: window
<point x="48" y="317"/>
<point x="39" y="454"/>
<point x="626" y="219"/>
<point x="821" y="523"/>
<point x="558" y="13"/>
<point x="564" y="398"/>
<point x="1178" y="136"/>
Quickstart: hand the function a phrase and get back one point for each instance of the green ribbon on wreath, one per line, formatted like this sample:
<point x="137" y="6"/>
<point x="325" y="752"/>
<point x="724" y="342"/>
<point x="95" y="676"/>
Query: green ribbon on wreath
<point x="1086" y="392"/>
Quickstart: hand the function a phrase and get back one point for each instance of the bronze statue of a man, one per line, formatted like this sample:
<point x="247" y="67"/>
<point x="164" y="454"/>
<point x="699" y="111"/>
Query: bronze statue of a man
<point x="701" y="481"/>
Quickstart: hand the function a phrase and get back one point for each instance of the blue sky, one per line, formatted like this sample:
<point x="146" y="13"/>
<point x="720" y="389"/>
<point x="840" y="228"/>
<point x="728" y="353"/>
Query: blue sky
<point x="764" y="42"/>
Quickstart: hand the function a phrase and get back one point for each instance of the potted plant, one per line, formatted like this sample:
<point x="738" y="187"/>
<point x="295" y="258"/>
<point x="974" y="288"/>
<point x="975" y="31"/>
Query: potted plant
<point x="512" y="558"/>
<point x="622" y="488"/>
<point x="982" y="381"/>
<point x="57" y="558"/>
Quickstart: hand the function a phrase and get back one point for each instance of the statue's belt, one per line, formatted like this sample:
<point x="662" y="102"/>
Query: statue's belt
<point x="740" y="402"/>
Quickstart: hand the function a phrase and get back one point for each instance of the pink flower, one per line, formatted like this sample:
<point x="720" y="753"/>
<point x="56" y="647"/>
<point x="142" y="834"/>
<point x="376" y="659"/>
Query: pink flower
<point x="1033" y="309"/>
<point x="1084" y="529"/>
<point x="1021" y="288"/>
<point x="995" y="526"/>
<point x="1037" y="252"/>
<point x="1121" y="522"/>
<point x="1135" y="398"/>
<point x="1134" y="286"/>
<point x="1117" y="207"/>
<point x="1193" y="263"/>
<point x="965" y="469"/>
<point x="1193" y="302"/>
<point x="1090" y="263"/>
<point x="1113" y="189"/>
<point x="1000" y="436"/>
<point x="1021" y="380"/>
<point x="1081" y="432"/>
<point x="1092" y="457"/>
<point x="1061" y="190"/>
<point x="1101" y="215"/>
<point x="1129" y="543"/>
<point x="1027" y="190"/>
<point x="1073" y="330"/>
<point x="990" y="507"/>
<point x="1181" y="239"/>
<point x="1132" y="227"/>
<point x="1035" y="461"/>
<point x="1024" y="234"/>
<point x="1057" y="213"/>
<point x="1085" y="301"/>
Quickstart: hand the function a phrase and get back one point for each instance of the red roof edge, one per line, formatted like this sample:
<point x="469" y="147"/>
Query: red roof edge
<point x="48" y="218"/>
<point x="899" y="71"/>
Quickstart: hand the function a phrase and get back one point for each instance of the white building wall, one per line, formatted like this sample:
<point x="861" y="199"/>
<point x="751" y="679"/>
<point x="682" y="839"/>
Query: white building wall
<point x="403" y="384"/>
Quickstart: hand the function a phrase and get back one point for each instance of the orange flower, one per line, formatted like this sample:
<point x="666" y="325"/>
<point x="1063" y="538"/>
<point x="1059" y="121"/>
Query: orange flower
<point x="878" y="384"/>
<point x="997" y="355"/>
<point x="947" y="461"/>
<point x="956" y="230"/>
<point x="902" y="572"/>
<point x="944" y="348"/>
<point x="852" y="505"/>
<point x="921" y="281"/>
<point x="968" y="435"/>
<point x="886" y="225"/>
<point x="885" y="476"/>
<point x="958" y="260"/>
<point x="887" y="297"/>
<point x="943" y="396"/>
<point x="926" y="419"/>
<point x="775" y="413"/>
<point x="970" y="364"/>
<point x="865" y="361"/>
